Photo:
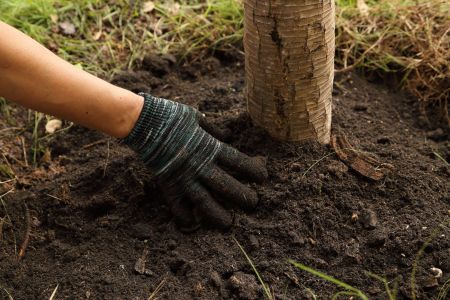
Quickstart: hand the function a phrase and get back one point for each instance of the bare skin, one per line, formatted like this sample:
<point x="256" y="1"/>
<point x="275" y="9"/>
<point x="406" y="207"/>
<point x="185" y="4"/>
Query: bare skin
<point x="34" y="77"/>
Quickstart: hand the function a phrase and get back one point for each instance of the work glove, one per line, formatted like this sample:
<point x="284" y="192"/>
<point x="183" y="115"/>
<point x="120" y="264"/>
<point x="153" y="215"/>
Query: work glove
<point x="195" y="171"/>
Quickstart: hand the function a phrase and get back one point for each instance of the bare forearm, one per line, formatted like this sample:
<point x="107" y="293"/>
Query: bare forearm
<point x="34" y="77"/>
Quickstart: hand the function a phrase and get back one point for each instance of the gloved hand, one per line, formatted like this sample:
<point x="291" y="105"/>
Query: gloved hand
<point x="192" y="166"/>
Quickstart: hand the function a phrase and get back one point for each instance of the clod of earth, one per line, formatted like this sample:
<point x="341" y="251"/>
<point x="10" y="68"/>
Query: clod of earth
<point x="362" y="163"/>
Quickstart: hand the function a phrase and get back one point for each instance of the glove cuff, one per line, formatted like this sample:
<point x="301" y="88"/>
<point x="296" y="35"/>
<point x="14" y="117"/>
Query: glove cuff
<point x="153" y="118"/>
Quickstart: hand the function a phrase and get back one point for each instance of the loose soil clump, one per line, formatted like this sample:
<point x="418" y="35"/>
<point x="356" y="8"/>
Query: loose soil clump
<point x="101" y="230"/>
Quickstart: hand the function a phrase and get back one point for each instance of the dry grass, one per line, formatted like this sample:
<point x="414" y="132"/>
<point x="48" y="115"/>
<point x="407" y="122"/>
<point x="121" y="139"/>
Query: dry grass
<point x="409" y="38"/>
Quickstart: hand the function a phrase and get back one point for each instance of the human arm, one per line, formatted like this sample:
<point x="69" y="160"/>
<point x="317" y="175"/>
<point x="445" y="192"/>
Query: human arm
<point x="192" y="167"/>
<point x="34" y="77"/>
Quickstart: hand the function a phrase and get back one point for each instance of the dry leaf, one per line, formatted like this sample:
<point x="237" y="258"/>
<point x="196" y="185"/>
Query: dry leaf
<point x="54" y="18"/>
<point x="67" y="28"/>
<point x="97" y="35"/>
<point x="174" y="8"/>
<point x="47" y="157"/>
<point x="53" y="125"/>
<point x="148" y="7"/>
<point x="362" y="7"/>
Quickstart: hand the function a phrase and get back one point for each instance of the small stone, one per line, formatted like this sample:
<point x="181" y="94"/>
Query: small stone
<point x="384" y="140"/>
<point x="337" y="168"/>
<point x="51" y="235"/>
<point x="172" y="244"/>
<point x="215" y="278"/>
<point x="360" y="107"/>
<point x="436" y="135"/>
<point x="254" y="243"/>
<point x="369" y="219"/>
<point x="428" y="282"/>
<point x="352" y="251"/>
<point x="296" y="167"/>
<point x="142" y="231"/>
<point x="156" y="64"/>
<point x="67" y="28"/>
<point x="354" y="217"/>
<point x="139" y="266"/>
<point x="198" y="289"/>
<point x="377" y="238"/>
<point x="374" y="290"/>
<point x="437" y="273"/>
<point x="296" y="239"/>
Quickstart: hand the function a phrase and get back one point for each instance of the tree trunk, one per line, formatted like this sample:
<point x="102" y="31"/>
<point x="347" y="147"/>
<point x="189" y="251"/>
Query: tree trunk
<point x="289" y="62"/>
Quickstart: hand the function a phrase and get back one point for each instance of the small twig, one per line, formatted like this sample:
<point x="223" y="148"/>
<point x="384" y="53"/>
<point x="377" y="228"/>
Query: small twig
<point x="26" y="238"/>
<point x="95" y="143"/>
<point x="158" y="288"/>
<point x="52" y="296"/>
<point x="24" y="151"/>
<point x="10" y="129"/>
<point x="107" y="160"/>
<point x="6" y="181"/>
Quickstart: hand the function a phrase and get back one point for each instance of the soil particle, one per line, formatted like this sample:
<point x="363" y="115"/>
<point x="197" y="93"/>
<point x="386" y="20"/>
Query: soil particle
<point x="428" y="282"/>
<point x="254" y="242"/>
<point x="157" y="65"/>
<point x="436" y="135"/>
<point x="337" y="168"/>
<point x="377" y="238"/>
<point x="369" y="219"/>
<point x="296" y="239"/>
<point x="244" y="286"/>
<point x="142" y="231"/>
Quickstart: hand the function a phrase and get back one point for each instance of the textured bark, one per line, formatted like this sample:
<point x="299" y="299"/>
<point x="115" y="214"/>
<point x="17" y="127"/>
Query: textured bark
<point x="289" y="58"/>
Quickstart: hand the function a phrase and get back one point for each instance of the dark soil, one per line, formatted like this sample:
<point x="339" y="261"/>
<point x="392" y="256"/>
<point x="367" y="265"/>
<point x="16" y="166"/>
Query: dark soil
<point x="100" y="228"/>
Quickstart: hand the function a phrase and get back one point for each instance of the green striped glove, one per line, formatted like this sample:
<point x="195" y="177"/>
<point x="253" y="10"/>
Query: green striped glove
<point x="192" y="166"/>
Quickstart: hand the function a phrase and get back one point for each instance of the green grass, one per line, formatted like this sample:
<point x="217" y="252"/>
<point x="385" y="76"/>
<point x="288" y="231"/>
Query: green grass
<point x="407" y="37"/>
<point x="115" y="35"/>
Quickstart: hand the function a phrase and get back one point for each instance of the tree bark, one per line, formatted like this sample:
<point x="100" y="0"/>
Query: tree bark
<point x="289" y="59"/>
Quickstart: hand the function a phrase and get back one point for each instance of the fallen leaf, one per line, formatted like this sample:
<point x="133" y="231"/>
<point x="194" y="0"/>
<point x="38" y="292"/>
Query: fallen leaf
<point x="97" y="35"/>
<point x="53" y="125"/>
<point x="67" y="28"/>
<point x="54" y="18"/>
<point x="362" y="7"/>
<point x="47" y="157"/>
<point x="147" y="7"/>
<point x="174" y="8"/>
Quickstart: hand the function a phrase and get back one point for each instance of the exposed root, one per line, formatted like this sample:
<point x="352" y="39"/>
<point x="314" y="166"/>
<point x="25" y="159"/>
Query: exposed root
<point x="2" y="221"/>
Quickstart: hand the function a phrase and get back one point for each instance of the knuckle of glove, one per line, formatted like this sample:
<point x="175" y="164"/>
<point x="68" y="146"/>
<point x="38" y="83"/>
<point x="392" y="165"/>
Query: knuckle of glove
<point x="169" y="140"/>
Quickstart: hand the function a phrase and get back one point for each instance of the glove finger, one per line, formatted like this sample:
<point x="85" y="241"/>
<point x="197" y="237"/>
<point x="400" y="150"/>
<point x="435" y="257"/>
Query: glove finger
<point x="243" y="166"/>
<point x="181" y="210"/>
<point x="210" y="211"/>
<point x="228" y="188"/>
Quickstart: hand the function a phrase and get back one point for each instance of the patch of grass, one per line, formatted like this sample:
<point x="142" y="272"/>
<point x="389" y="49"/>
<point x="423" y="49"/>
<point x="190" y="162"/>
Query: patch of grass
<point x="407" y="37"/>
<point x="115" y="35"/>
<point x="348" y="289"/>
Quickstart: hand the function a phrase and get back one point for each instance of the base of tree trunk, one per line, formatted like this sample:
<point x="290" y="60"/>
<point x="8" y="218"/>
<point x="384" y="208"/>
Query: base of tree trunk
<point x="289" y="46"/>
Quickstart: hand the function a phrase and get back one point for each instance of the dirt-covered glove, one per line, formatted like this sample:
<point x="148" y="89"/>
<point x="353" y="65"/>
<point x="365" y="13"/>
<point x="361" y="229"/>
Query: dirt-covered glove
<point x="192" y="167"/>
